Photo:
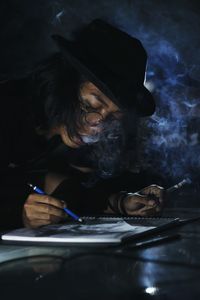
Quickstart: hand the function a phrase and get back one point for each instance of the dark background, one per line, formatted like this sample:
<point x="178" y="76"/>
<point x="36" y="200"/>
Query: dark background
<point x="26" y="27"/>
<point x="169" y="30"/>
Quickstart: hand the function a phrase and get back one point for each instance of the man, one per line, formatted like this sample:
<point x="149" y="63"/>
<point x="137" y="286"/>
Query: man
<point x="74" y="129"/>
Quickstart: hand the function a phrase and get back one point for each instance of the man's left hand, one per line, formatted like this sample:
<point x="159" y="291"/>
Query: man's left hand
<point x="146" y="202"/>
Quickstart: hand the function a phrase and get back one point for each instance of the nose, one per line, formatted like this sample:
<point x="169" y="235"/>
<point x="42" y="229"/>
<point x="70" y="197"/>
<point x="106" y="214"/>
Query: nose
<point x="94" y="118"/>
<point x="91" y="131"/>
<point x="115" y="114"/>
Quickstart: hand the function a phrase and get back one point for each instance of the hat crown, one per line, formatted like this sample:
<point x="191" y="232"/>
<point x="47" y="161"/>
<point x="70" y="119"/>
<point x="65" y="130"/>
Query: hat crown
<point x="114" y="61"/>
<point x="122" y="54"/>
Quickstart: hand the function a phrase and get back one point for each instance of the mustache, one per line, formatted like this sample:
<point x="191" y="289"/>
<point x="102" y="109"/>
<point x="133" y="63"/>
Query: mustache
<point x="107" y="151"/>
<point x="110" y="129"/>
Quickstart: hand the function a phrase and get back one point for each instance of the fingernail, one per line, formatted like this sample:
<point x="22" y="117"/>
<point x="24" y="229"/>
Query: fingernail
<point x="64" y="204"/>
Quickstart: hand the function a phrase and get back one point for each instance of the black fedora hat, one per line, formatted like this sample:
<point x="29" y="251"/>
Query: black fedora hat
<point x="114" y="61"/>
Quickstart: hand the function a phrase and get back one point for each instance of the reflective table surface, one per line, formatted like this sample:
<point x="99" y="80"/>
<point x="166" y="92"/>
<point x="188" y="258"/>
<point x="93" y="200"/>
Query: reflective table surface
<point x="169" y="270"/>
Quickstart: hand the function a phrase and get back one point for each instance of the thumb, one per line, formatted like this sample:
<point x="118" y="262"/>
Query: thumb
<point x="64" y="204"/>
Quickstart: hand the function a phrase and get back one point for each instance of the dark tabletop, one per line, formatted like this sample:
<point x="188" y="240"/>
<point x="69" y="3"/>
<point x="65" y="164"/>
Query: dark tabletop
<point x="169" y="270"/>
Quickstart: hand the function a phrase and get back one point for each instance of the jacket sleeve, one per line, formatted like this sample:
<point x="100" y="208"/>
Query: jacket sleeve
<point x="13" y="193"/>
<point x="92" y="198"/>
<point x="13" y="190"/>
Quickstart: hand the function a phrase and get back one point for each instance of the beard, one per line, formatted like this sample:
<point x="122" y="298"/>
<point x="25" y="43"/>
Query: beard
<point x="106" y="153"/>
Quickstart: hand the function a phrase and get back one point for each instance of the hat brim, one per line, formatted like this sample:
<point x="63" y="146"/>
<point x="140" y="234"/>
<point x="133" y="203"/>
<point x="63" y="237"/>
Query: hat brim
<point x="145" y="104"/>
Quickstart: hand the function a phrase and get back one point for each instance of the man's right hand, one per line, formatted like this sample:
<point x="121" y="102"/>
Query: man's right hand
<point x="42" y="210"/>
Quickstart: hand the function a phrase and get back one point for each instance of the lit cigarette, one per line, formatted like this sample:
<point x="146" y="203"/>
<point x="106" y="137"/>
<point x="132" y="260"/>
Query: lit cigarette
<point x="179" y="185"/>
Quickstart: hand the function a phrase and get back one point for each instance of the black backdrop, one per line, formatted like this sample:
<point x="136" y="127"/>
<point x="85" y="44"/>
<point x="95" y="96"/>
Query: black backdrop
<point x="26" y="26"/>
<point x="169" y="31"/>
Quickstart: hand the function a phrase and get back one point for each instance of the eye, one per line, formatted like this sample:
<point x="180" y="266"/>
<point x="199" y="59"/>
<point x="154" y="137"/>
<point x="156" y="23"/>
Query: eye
<point x="86" y="107"/>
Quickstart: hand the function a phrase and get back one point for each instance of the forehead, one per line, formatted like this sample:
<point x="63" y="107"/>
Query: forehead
<point x="88" y="88"/>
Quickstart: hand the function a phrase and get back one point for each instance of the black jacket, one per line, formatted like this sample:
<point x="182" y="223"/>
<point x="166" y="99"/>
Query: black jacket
<point x="26" y="157"/>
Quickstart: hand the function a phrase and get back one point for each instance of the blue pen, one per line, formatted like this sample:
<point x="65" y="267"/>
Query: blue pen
<point x="68" y="211"/>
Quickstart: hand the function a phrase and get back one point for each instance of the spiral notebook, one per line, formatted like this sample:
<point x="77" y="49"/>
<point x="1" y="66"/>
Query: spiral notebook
<point x="108" y="230"/>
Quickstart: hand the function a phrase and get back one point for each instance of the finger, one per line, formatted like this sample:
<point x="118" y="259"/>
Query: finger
<point x="150" y="211"/>
<point x="139" y="213"/>
<point x="141" y="199"/>
<point x="64" y="204"/>
<point x="38" y="208"/>
<point x="46" y="199"/>
<point x="152" y="189"/>
<point x="141" y="205"/>
<point x="43" y="216"/>
<point x="37" y="223"/>
<point x="44" y="219"/>
<point x="143" y="211"/>
<point x="147" y="213"/>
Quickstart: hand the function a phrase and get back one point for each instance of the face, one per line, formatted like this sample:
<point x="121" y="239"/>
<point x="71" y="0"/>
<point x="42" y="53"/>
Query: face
<point x="95" y="108"/>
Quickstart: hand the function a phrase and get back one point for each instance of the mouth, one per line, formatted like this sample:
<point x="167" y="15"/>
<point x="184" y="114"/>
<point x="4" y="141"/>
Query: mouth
<point x="90" y="137"/>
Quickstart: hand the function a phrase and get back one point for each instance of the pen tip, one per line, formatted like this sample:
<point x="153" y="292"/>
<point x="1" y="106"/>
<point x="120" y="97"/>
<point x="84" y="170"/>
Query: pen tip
<point x="80" y="220"/>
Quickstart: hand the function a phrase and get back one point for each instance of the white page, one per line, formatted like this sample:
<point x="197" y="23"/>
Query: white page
<point x="107" y="231"/>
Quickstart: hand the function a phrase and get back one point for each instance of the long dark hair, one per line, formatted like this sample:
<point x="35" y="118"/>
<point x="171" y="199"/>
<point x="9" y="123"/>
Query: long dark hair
<point x="55" y="95"/>
<point x="56" y="101"/>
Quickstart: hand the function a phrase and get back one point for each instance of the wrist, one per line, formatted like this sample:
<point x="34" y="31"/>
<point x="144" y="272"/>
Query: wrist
<point x="121" y="202"/>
